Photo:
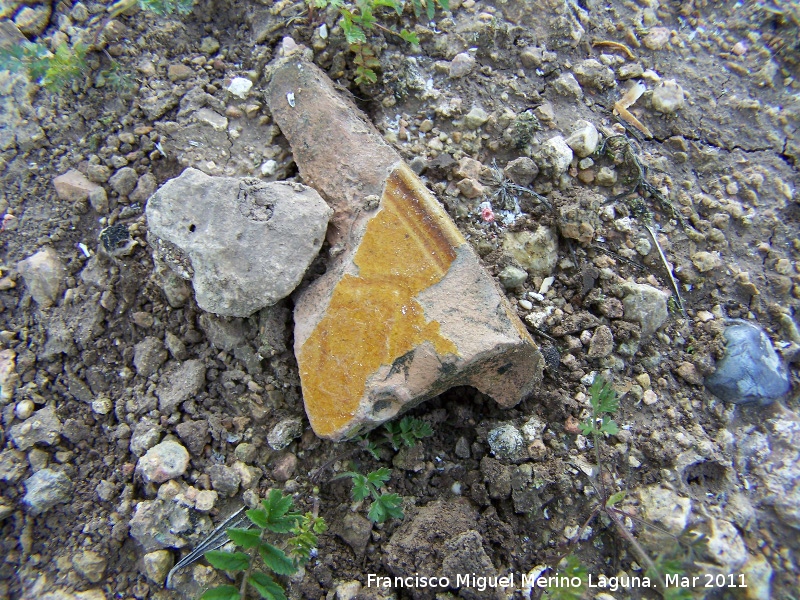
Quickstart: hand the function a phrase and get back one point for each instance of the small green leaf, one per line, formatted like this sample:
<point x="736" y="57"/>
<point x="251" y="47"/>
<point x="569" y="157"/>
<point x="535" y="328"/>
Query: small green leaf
<point x="603" y="397"/>
<point x="223" y="592"/>
<point x="228" y="561"/>
<point x="431" y="9"/>
<point x="360" y="488"/>
<point x="265" y="586"/>
<point x="258" y="517"/>
<point x="445" y="4"/>
<point x="609" y="427"/>
<point x="385" y="507"/>
<point x="380" y="477"/>
<point x="276" y="560"/>
<point x="615" y="498"/>
<point x="277" y="504"/>
<point x="352" y="32"/>
<point x="587" y="428"/>
<point x="245" y="538"/>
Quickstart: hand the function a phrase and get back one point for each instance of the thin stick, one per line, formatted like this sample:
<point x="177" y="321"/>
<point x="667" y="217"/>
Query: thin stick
<point x="674" y="283"/>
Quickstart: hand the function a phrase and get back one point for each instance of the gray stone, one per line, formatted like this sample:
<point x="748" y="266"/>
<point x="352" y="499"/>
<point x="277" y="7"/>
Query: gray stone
<point x="726" y="546"/>
<point x="246" y="452"/>
<point x="98" y="198"/>
<point x="553" y="157"/>
<point x="521" y="171"/>
<point x="355" y="530"/>
<point x="602" y="342"/>
<point x="506" y="442"/>
<point x="148" y="355"/>
<point x="164" y="461"/>
<point x="750" y="371"/>
<point x="284" y="432"/>
<point x="284" y="467"/>
<point x="668" y="97"/>
<point x="223" y="333"/>
<point x="245" y="244"/>
<point x="177" y="290"/>
<point x="98" y="174"/>
<point x="536" y="251"/>
<point x="410" y="459"/>
<point x="464" y="553"/>
<point x="13" y="465"/>
<point x="90" y="565"/>
<point x="584" y="138"/>
<point x="124" y="181"/>
<point x="158" y="524"/>
<point x="45" y="489"/>
<point x="157" y="565"/>
<point x="224" y="480"/>
<point x="475" y="118"/>
<point x="194" y="434"/>
<point x="645" y="305"/>
<point x="497" y="477"/>
<point x="44" y="276"/>
<point x="593" y="73"/>
<point x="418" y="545"/>
<point x="772" y="459"/>
<point x="461" y="65"/>
<point x="180" y="384"/>
<point x="105" y="490"/>
<point x="209" y="45"/>
<point x="145" y="186"/>
<point x="175" y="346"/>
<point x="567" y="85"/>
<point x="146" y="434"/>
<point x="512" y="277"/>
<point x="665" y="508"/>
<point x="606" y="176"/>
<point x="462" y="449"/>
<point x="42" y="427"/>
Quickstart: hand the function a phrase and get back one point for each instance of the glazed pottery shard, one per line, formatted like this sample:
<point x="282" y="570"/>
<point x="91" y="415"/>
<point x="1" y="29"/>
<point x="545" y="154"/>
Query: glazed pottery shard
<point x="405" y="311"/>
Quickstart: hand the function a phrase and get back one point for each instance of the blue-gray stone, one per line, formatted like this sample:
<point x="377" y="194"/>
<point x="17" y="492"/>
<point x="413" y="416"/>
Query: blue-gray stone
<point x="750" y="370"/>
<point x="45" y="489"/>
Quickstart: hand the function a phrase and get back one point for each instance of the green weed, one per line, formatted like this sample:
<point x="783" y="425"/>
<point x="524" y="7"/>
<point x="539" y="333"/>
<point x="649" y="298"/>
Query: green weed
<point x="359" y="18"/>
<point x="677" y="558"/>
<point x="275" y="517"/>
<point x="53" y="71"/>
<point x="406" y="432"/>
<point x="385" y="506"/>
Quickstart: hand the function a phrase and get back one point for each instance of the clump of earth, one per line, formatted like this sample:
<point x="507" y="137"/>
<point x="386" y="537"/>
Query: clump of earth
<point x="134" y="421"/>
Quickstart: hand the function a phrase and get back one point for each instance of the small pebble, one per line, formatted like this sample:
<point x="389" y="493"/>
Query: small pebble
<point x="525" y="305"/>
<point x="668" y="97"/>
<point x="24" y="409"/>
<point x="649" y="397"/>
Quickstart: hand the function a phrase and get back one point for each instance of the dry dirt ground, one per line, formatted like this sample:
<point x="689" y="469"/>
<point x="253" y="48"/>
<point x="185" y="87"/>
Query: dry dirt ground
<point x="89" y="370"/>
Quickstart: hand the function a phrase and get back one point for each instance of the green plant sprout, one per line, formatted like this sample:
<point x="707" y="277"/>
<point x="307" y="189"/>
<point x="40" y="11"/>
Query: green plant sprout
<point x="605" y="402"/>
<point x="276" y="517"/>
<point x="384" y="506"/>
<point x="361" y="16"/>
<point x="53" y="71"/>
<point x="406" y="432"/>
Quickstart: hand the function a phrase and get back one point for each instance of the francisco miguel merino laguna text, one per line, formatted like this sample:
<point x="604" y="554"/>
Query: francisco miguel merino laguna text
<point x="472" y="580"/>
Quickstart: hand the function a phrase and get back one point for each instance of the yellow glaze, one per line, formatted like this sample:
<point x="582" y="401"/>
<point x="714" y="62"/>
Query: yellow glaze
<point x="373" y="318"/>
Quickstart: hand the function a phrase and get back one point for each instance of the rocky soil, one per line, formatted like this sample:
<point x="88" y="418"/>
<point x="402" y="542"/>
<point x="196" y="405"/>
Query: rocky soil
<point x="133" y="421"/>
